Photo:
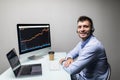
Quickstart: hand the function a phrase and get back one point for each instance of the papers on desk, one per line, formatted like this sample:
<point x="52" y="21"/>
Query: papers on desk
<point x="54" y="65"/>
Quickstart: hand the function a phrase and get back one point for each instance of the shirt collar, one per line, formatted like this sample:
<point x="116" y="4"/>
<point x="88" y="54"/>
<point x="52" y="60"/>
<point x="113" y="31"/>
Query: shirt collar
<point x="86" y="41"/>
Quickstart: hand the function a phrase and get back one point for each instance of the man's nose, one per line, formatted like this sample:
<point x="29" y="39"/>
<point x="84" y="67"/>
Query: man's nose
<point x="82" y="28"/>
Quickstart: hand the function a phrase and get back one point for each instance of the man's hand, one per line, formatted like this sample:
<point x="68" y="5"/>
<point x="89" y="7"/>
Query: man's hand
<point x="62" y="60"/>
<point x="68" y="62"/>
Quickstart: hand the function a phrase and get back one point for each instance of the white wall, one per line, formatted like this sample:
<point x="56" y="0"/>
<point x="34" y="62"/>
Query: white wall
<point x="62" y="16"/>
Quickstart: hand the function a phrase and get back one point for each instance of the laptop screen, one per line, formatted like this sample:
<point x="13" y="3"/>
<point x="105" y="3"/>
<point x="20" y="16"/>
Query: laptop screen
<point x="13" y="59"/>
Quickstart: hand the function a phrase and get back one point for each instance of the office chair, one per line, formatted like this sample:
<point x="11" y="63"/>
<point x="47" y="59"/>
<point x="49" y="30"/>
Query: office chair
<point x="109" y="72"/>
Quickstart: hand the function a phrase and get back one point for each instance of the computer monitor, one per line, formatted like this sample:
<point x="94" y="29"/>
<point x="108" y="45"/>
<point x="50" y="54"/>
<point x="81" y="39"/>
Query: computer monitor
<point x="32" y="37"/>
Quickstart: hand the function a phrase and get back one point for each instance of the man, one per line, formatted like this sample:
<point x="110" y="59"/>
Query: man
<point x="87" y="61"/>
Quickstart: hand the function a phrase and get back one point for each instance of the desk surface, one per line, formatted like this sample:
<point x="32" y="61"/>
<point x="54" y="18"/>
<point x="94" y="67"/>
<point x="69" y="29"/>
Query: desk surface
<point x="47" y="73"/>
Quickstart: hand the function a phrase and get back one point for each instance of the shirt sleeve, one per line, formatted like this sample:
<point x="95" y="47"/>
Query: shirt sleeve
<point x="74" y="53"/>
<point x="86" y="56"/>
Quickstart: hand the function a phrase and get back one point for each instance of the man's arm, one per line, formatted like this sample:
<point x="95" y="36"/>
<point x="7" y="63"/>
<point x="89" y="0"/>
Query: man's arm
<point x="72" y="54"/>
<point x="75" y="52"/>
<point x="86" y="56"/>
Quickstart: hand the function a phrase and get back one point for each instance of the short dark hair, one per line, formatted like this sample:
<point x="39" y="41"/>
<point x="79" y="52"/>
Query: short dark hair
<point x="84" y="18"/>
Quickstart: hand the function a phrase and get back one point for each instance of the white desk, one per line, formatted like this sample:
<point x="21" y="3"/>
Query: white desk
<point x="47" y="73"/>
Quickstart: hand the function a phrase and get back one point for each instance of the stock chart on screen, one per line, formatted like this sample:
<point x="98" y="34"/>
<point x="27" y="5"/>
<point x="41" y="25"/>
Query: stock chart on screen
<point x="35" y="37"/>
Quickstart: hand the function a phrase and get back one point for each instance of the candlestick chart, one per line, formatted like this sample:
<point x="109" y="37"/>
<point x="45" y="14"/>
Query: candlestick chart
<point x="32" y="38"/>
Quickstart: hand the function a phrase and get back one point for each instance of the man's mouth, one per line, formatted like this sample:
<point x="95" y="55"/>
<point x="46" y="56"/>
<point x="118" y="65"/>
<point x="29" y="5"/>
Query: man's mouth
<point x="82" y="33"/>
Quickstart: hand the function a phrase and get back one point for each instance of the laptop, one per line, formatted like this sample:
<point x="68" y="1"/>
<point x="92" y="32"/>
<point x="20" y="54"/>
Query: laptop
<point x="22" y="70"/>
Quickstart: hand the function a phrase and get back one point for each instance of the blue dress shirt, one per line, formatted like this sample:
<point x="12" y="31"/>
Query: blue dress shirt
<point x="90" y="61"/>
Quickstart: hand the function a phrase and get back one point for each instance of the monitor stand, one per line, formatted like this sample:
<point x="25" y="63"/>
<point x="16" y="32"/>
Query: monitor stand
<point x="34" y="57"/>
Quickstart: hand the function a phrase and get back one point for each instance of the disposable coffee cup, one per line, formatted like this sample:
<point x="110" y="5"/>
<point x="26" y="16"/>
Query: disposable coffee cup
<point x="51" y="55"/>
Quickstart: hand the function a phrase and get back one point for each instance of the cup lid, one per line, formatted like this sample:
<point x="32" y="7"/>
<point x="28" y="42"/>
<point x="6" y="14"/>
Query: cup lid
<point x="51" y="52"/>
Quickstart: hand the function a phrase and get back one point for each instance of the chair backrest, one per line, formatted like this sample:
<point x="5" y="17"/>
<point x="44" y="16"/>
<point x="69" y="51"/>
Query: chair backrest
<point x="109" y="72"/>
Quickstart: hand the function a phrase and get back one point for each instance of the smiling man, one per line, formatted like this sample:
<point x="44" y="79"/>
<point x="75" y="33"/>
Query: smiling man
<point x="87" y="61"/>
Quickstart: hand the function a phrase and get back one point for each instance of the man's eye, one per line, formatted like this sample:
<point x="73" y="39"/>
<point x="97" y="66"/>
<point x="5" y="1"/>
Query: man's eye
<point x="79" y="26"/>
<point x="86" y="26"/>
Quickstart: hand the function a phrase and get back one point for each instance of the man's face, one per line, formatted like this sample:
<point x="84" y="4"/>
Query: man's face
<point x="84" y="29"/>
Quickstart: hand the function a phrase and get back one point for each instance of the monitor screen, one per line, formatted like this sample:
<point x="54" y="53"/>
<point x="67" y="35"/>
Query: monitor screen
<point x="33" y="37"/>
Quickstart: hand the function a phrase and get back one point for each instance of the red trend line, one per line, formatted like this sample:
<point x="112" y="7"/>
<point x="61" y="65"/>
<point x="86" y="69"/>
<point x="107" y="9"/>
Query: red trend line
<point x="39" y="34"/>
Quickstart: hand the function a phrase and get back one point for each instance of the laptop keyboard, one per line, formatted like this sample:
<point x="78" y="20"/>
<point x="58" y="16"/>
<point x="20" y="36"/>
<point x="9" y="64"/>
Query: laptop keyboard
<point x="26" y="70"/>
